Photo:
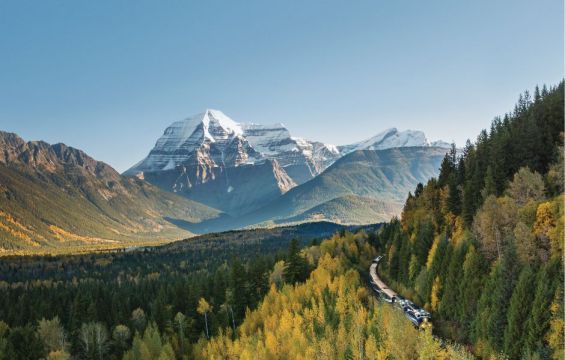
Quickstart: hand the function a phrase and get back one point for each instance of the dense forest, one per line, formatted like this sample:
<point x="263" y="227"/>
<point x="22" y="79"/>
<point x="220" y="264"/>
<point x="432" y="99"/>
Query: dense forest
<point x="95" y="317"/>
<point x="332" y="315"/>
<point x="57" y="306"/>
<point x="481" y="246"/>
<point x="301" y="304"/>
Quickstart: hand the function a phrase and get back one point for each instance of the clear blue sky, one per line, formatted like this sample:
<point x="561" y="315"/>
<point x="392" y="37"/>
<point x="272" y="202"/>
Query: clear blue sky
<point x="109" y="76"/>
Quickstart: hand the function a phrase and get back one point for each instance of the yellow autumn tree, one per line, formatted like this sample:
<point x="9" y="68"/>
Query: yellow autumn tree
<point x="436" y="294"/>
<point x="203" y="309"/>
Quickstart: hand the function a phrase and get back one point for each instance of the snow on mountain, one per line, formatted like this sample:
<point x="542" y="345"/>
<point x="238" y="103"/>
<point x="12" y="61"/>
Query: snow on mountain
<point x="210" y="134"/>
<point x="269" y="139"/>
<point x="186" y="134"/>
<point x="213" y="140"/>
<point x="440" y="144"/>
<point x="393" y="138"/>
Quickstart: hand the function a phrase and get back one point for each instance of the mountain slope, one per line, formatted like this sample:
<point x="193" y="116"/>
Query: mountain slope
<point x="234" y="190"/>
<point x="54" y="197"/>
<point x="385" y="175"/>
<point x="349" y="209"/>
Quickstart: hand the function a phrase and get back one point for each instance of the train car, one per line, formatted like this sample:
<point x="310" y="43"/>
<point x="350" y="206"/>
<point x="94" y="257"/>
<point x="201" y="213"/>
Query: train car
<point x="418" y="316"/>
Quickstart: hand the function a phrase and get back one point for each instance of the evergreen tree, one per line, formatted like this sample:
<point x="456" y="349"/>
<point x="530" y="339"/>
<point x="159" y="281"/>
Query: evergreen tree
<point x="450" y="299"/>
<point x="419" y="190"/>
<point x="424" y="241"/>
<point x="23" y="344"/>
<point x="490" y="184"/>
<point x="454" y="195"/>
<point x="448" y="166"/>
<point x="296" y="265"/>
<point x="238" y="290"/>
<point x="470" y="288"/>
<point x="436" y="268"/>
<point x="486" y="305"/>
<point x="547" y="281"/>
<point x="518" y="313"/>
<point x="501" y="295"/>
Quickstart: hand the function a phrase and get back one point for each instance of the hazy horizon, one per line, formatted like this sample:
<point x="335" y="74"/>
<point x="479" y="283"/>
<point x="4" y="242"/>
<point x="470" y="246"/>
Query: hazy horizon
<point x="109" y="79"/>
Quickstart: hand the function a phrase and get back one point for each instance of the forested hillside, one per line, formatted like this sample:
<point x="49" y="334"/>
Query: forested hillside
<point x="51" y="306"/>
<point x="332" y="315"/>
<point x="481" y="246"/>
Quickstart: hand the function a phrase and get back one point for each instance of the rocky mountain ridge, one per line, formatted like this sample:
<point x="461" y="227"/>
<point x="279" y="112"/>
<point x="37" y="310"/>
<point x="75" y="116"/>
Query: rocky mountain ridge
<point x="56" y="196"/>
<point x="207" y="157"/>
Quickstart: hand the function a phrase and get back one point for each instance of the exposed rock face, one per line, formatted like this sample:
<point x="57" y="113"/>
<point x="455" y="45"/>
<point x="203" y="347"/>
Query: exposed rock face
<point x="213" y="159"/>
<point x="51" y="159"/>
<point x="57" y="196"/>
<point x="233" y="167"/>
<point x="301" y="159"/>
<point x="212" y="140"/>
<point x="234" y="190"/>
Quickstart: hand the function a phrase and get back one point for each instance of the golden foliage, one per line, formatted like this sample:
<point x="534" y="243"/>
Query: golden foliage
<point x="494" y="223"/>
<point x="63" y="235"/>
<point x="436" y="294"/>
<point x="432" y="253"/>
<point x="549" y="223"/>
<point x="330" y="316"/>
<point x="555" y="336"/>
<point x="203" y="306"/>
<point x="17" y="229"/>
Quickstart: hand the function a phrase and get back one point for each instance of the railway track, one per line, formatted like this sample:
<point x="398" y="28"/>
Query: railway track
<point x="418" y="316"/>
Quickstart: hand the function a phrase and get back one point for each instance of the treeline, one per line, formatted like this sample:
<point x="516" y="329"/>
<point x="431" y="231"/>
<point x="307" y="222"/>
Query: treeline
<point x="481" y="246"/>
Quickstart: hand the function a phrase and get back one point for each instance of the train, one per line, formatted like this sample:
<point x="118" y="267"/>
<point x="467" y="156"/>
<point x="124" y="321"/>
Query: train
<point x="418" y="316"/>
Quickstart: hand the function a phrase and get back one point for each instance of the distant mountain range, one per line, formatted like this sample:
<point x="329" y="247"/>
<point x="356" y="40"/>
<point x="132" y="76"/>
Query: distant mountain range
<point x="239" y="168"/>
<point x="211" y="174"/>
<point x="377" y="180"/>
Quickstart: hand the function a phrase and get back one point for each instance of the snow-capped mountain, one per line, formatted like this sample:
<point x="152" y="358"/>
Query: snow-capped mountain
<point x="211" y="139"/>
<point x="393" y="138"/>
<point x="239" y="167"/>
<point x="231" y="166"/>
<point x="214" y="139"/>
<point x="207" y="137"/>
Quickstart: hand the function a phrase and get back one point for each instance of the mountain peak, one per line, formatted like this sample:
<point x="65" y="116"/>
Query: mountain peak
<point x="217" y="120"/>
<point x="392" y="138"/>
<point x="10" y="139"/>
<point x="214" y="138"/>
